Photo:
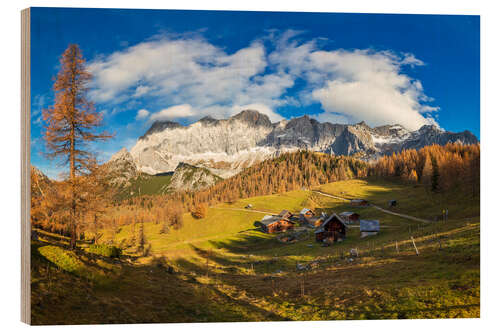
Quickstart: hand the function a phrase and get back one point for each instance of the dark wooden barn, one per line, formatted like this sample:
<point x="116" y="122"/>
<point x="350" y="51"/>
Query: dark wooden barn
<point x="349" y="217"/>
<point x="333" y="229"/>
<point x="359" y="202"/>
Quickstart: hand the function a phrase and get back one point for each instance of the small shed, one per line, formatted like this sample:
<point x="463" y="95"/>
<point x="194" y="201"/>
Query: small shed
<point x="272" y="224"/>
<point x="393" y="203"/>
<point x="369" y="227"/>
<point x="286" y="214"/>
<point x="307" y="213"/>
<point x="333" y="229"/>
<point x="359" y="202"/>
<point x="349" y="217"/>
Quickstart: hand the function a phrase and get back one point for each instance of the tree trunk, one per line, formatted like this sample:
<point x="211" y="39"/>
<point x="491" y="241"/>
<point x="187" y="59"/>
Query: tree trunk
<point x="72" y="166"/>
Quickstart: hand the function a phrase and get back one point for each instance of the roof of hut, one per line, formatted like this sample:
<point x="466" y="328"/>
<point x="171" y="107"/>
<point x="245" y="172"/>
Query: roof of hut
<point x="369" y="225"/>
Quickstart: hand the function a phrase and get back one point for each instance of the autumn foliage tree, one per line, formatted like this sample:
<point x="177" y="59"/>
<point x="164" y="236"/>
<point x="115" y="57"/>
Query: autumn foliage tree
<point x="200" y="210"/>
<point x="453" y="166"/>
<point x="70" y="124"/>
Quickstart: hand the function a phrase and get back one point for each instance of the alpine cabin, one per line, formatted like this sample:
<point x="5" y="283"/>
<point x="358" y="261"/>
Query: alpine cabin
<point x="307" y="213"/>
<point x="271" y="224"/>
<point x="359" y="202"/>
<point x="349" y="217"/>
<point x="333" y="229"/>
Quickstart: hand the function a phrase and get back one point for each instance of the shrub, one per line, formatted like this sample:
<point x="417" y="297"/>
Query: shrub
<point x="200" y="211"/>
<point x="105" y="250"/>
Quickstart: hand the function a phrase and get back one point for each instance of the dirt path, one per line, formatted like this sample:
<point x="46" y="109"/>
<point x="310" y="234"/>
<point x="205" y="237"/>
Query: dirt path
<point x="409" y="217"/>
<point x="331" y="196"/>
<point x="246" y="210"/>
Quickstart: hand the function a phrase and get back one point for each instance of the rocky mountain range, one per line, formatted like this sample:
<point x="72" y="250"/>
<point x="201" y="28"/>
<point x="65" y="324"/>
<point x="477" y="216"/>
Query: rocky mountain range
<point x="226" y="146"/>
<point x="190" y="178"/>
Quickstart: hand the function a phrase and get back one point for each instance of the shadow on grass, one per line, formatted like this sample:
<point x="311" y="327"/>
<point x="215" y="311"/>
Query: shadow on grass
<point x="149" y="293"/>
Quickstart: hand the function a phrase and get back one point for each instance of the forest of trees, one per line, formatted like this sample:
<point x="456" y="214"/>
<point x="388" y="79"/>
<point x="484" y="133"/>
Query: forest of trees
<point x="288" y="172"/>
<point x="439" y="168"/>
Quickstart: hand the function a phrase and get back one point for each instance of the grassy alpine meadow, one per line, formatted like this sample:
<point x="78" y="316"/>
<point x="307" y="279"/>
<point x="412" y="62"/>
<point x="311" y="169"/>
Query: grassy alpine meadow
<point x="224" y="268"/>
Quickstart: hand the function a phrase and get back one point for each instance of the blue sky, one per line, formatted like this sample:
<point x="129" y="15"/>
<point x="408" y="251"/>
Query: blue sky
<point x="182" y="65"/>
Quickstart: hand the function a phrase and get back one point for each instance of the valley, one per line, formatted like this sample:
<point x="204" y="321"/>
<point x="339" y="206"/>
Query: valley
<point x="226" y="269"/>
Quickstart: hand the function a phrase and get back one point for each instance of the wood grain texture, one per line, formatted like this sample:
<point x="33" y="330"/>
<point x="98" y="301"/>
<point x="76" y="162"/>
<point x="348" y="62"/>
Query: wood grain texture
<point x="25" y="167"/>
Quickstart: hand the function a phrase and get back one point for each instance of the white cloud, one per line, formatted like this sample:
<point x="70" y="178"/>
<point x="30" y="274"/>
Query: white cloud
<point x="179" y="71"/>
<point x="142" y="114"/>
<point x="369" y="86"/>
<point x="141" y="91"/>
<point x="174" y="112"/>
<point x="193" y="78"/>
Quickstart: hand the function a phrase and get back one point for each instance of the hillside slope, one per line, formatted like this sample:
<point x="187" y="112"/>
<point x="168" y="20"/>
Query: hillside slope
<point x="228" y="270"/>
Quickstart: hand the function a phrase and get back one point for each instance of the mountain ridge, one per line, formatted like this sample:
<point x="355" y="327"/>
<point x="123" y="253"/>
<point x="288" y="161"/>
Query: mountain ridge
<point x="227" y="146"/>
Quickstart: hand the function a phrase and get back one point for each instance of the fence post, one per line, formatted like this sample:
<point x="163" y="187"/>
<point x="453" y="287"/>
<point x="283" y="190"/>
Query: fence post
<point x="414" y="245"/>
<point x="207" y="268"/>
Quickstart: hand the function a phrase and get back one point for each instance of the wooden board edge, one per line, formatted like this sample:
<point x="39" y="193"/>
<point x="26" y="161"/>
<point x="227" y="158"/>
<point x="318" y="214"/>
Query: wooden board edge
<point x="25" y="167"/>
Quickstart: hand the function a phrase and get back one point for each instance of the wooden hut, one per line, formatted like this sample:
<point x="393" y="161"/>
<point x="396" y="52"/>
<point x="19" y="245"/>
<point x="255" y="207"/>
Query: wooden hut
<point x="272" y="224"/>
<point x="369" y="227"/>
<point x="359" y="202"/>
<point x="306" y="213"/>
<point x="349" y="217"/>
<point x="333" y="229"/>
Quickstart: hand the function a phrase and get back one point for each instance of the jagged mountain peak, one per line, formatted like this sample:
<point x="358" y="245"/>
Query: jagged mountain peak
<point x="304" y="122"/>
<point x="207" y="120"/>
<point x="121" y="154"/>
<point x="38" y="173"/>
<point x="430" y="128"/>
<point x="160" y="126"/>
<point x="121" y="167"/>
<point x="390" y="130"/>
<point x="253" y="117"/>
<point x="362" y="124"/>
<point x="188" y="177"/>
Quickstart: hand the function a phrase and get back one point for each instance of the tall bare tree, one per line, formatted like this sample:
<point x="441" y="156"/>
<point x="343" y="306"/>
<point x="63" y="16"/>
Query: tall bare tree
<point x="71" y="124"/>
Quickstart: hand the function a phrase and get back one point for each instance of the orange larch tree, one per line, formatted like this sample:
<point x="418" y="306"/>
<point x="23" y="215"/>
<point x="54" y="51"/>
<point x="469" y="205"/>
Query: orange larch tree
<point x="70" y="124"/>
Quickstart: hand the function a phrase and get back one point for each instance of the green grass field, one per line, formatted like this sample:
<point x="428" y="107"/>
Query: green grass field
<point x="226" y="269"/>
<point x="146" y="185"/>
